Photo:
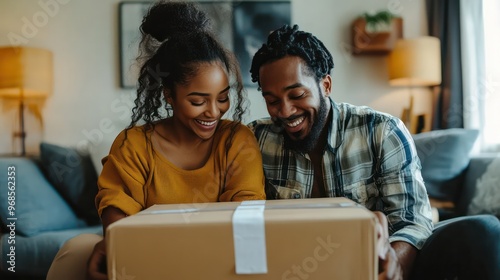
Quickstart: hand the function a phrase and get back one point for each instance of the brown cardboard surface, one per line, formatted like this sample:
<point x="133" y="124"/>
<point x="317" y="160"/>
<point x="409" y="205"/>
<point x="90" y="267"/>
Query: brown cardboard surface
<point x="326" y="238"/>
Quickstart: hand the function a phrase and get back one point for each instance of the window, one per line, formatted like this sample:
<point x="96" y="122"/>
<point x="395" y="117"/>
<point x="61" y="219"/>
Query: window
<point x="481" y="71"/>
<point x="491" y="16"/>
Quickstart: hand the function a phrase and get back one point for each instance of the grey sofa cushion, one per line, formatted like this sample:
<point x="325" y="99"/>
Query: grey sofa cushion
<point x="482" y="192"/>
<point x="73" y="175"/>
<point x="444" y="155"/>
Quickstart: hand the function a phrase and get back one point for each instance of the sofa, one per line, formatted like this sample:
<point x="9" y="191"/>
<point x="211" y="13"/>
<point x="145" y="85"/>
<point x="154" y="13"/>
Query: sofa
<point x="457" y="183"/>
<point x="54" y="194"/>
<point x="44" y="201"/>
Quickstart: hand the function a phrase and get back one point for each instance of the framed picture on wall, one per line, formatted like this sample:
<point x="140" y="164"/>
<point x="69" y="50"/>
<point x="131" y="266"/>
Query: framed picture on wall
<point x="252" y="23"/>
<point x="130" y="18"/>
<point x="242" y="26"/>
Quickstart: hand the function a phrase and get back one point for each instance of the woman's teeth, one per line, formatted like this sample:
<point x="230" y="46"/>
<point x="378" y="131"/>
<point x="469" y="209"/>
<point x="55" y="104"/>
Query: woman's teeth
<point x="207" y="123"/>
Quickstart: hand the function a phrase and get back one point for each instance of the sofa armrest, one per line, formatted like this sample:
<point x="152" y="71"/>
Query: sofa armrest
<point x="477" y="167"/>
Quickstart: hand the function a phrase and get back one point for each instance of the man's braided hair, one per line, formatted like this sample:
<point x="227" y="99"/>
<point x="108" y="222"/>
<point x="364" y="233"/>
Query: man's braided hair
<point x="291" y="41"/>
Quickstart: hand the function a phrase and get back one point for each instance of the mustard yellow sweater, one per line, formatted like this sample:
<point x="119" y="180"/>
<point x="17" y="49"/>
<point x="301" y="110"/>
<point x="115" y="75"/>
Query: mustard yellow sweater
<point x="135" y="176"/>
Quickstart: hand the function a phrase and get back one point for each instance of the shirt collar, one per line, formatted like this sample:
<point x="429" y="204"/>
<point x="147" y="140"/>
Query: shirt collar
<point x="335" y="138"/>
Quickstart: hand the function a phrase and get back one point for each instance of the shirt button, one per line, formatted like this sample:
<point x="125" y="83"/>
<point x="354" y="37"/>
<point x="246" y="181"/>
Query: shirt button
<point x="296" y="195"/>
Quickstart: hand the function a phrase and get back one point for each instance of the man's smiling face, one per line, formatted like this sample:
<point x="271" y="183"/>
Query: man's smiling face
<point x="295" y="100"/>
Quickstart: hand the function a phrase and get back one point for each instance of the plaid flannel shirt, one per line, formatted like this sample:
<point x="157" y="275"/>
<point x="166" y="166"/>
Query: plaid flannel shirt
<point x="370" y="158"/>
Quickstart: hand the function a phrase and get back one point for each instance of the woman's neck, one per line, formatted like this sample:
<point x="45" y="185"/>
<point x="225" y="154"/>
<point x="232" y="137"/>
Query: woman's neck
<point x="184" y="150"/>
<point x="179" y="135"/>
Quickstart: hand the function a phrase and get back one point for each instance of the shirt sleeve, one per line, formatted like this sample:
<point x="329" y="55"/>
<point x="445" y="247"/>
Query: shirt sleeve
<point x="245" y="175"/>
<point x="404" y="196"/>
<point x="124" y="175"/>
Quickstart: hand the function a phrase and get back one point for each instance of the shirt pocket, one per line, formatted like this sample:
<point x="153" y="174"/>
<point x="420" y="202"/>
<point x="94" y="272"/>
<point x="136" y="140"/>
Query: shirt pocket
<point x="285" y="189"/>
<point x="362" y="192"/>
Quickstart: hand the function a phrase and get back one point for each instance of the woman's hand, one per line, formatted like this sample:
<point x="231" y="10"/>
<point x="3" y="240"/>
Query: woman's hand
<point x="96" y="267"/>
<point x="388" y="264"/>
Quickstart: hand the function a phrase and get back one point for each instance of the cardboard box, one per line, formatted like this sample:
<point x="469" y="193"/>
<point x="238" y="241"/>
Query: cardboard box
<point x="324" y="238"/>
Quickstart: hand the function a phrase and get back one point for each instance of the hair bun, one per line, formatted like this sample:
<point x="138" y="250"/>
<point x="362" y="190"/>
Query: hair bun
<point x="165" y="19"/>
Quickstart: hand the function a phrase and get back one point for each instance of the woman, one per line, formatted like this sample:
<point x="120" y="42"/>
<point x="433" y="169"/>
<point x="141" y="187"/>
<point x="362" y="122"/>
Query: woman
<point x="183" y="152"/>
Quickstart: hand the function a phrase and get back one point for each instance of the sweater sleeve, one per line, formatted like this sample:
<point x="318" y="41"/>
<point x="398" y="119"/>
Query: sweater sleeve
<point x="245" y="176"/>
<point x="124" y="174"/>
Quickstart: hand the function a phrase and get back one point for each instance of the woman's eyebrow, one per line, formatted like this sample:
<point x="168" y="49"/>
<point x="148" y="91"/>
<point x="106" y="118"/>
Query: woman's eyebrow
<point x="207" y="94"/>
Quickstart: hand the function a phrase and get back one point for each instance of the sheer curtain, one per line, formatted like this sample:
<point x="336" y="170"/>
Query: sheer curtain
<point x="480" y="42"/>
<point x="491" y="126"/>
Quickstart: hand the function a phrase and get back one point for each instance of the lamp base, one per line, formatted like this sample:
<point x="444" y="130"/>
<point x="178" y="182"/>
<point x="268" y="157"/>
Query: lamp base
<point x="415" y="123"/>
<point x="407" y="115"/>
<point x="21" y="134"/>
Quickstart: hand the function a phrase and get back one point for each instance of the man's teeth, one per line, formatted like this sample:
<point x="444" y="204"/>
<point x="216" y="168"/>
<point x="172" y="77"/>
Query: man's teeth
<point x="207" y="123"/>
<point x="296" y="122"/>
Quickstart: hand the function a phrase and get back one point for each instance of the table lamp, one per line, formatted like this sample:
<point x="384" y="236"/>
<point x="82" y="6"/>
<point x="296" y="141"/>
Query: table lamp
<point x="415" y="63"/>
<point x="25" y="73"/>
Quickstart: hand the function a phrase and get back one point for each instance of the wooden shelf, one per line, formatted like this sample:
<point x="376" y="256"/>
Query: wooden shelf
<point x="381" y="43"/>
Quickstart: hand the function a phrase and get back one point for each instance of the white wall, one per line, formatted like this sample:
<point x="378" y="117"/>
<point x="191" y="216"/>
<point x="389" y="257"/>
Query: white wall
<point x="89" y="107"/>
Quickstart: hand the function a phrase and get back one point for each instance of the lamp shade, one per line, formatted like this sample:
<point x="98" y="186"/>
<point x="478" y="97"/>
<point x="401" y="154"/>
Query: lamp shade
<point x="25" y="72"/>
<point x="415" y="62"/>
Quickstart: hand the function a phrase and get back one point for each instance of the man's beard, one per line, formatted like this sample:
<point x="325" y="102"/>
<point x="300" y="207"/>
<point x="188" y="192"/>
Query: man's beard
<point x="309" y="142"/>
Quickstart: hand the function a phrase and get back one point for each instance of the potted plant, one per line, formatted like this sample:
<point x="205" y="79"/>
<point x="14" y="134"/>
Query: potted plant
<point x="378" y="22"/>
<point x="376" y="33"/>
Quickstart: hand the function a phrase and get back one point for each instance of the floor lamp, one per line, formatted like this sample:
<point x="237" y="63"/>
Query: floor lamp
<point x="25" y="73"/>
<point x="415" y="63"/>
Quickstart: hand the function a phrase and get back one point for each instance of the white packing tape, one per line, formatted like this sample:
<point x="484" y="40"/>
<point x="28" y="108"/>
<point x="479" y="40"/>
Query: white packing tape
<point x="250" y="238"/>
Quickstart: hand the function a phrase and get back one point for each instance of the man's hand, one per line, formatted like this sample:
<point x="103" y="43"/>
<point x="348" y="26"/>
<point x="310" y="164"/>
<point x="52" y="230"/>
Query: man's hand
<point x="96" y="267"/>
<point x="389" y="267"/>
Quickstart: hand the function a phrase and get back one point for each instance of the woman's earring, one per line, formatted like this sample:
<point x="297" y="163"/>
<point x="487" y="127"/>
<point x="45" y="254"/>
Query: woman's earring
<point x="168" y="99"/>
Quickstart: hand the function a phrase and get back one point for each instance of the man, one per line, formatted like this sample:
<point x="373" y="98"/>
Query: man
<point x="314" y="147"/>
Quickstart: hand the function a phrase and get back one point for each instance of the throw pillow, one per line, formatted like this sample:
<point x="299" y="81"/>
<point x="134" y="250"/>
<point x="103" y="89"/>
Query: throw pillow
<point x="487" y="197"/>
<point x="444" y="154"/>
<point x="37" y="206"/>
<point x="73" y="174"/>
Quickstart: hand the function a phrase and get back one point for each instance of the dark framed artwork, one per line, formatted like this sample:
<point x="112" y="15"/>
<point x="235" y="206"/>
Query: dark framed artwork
<point x="252" y="23"/>
<point x="242" y="26"/>
<point x="129" y="20"/>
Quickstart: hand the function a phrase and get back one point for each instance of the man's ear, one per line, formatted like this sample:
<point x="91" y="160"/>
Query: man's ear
<point x="326" y="84"/>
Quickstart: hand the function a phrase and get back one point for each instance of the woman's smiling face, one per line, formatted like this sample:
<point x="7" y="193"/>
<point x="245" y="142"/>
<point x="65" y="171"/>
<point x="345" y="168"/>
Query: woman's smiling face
<point x="199" y="105"/>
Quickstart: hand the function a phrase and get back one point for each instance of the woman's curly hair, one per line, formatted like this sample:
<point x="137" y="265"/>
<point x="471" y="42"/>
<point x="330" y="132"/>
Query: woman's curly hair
<point x="289" y="40"/>
<point x="176" y="39"/>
